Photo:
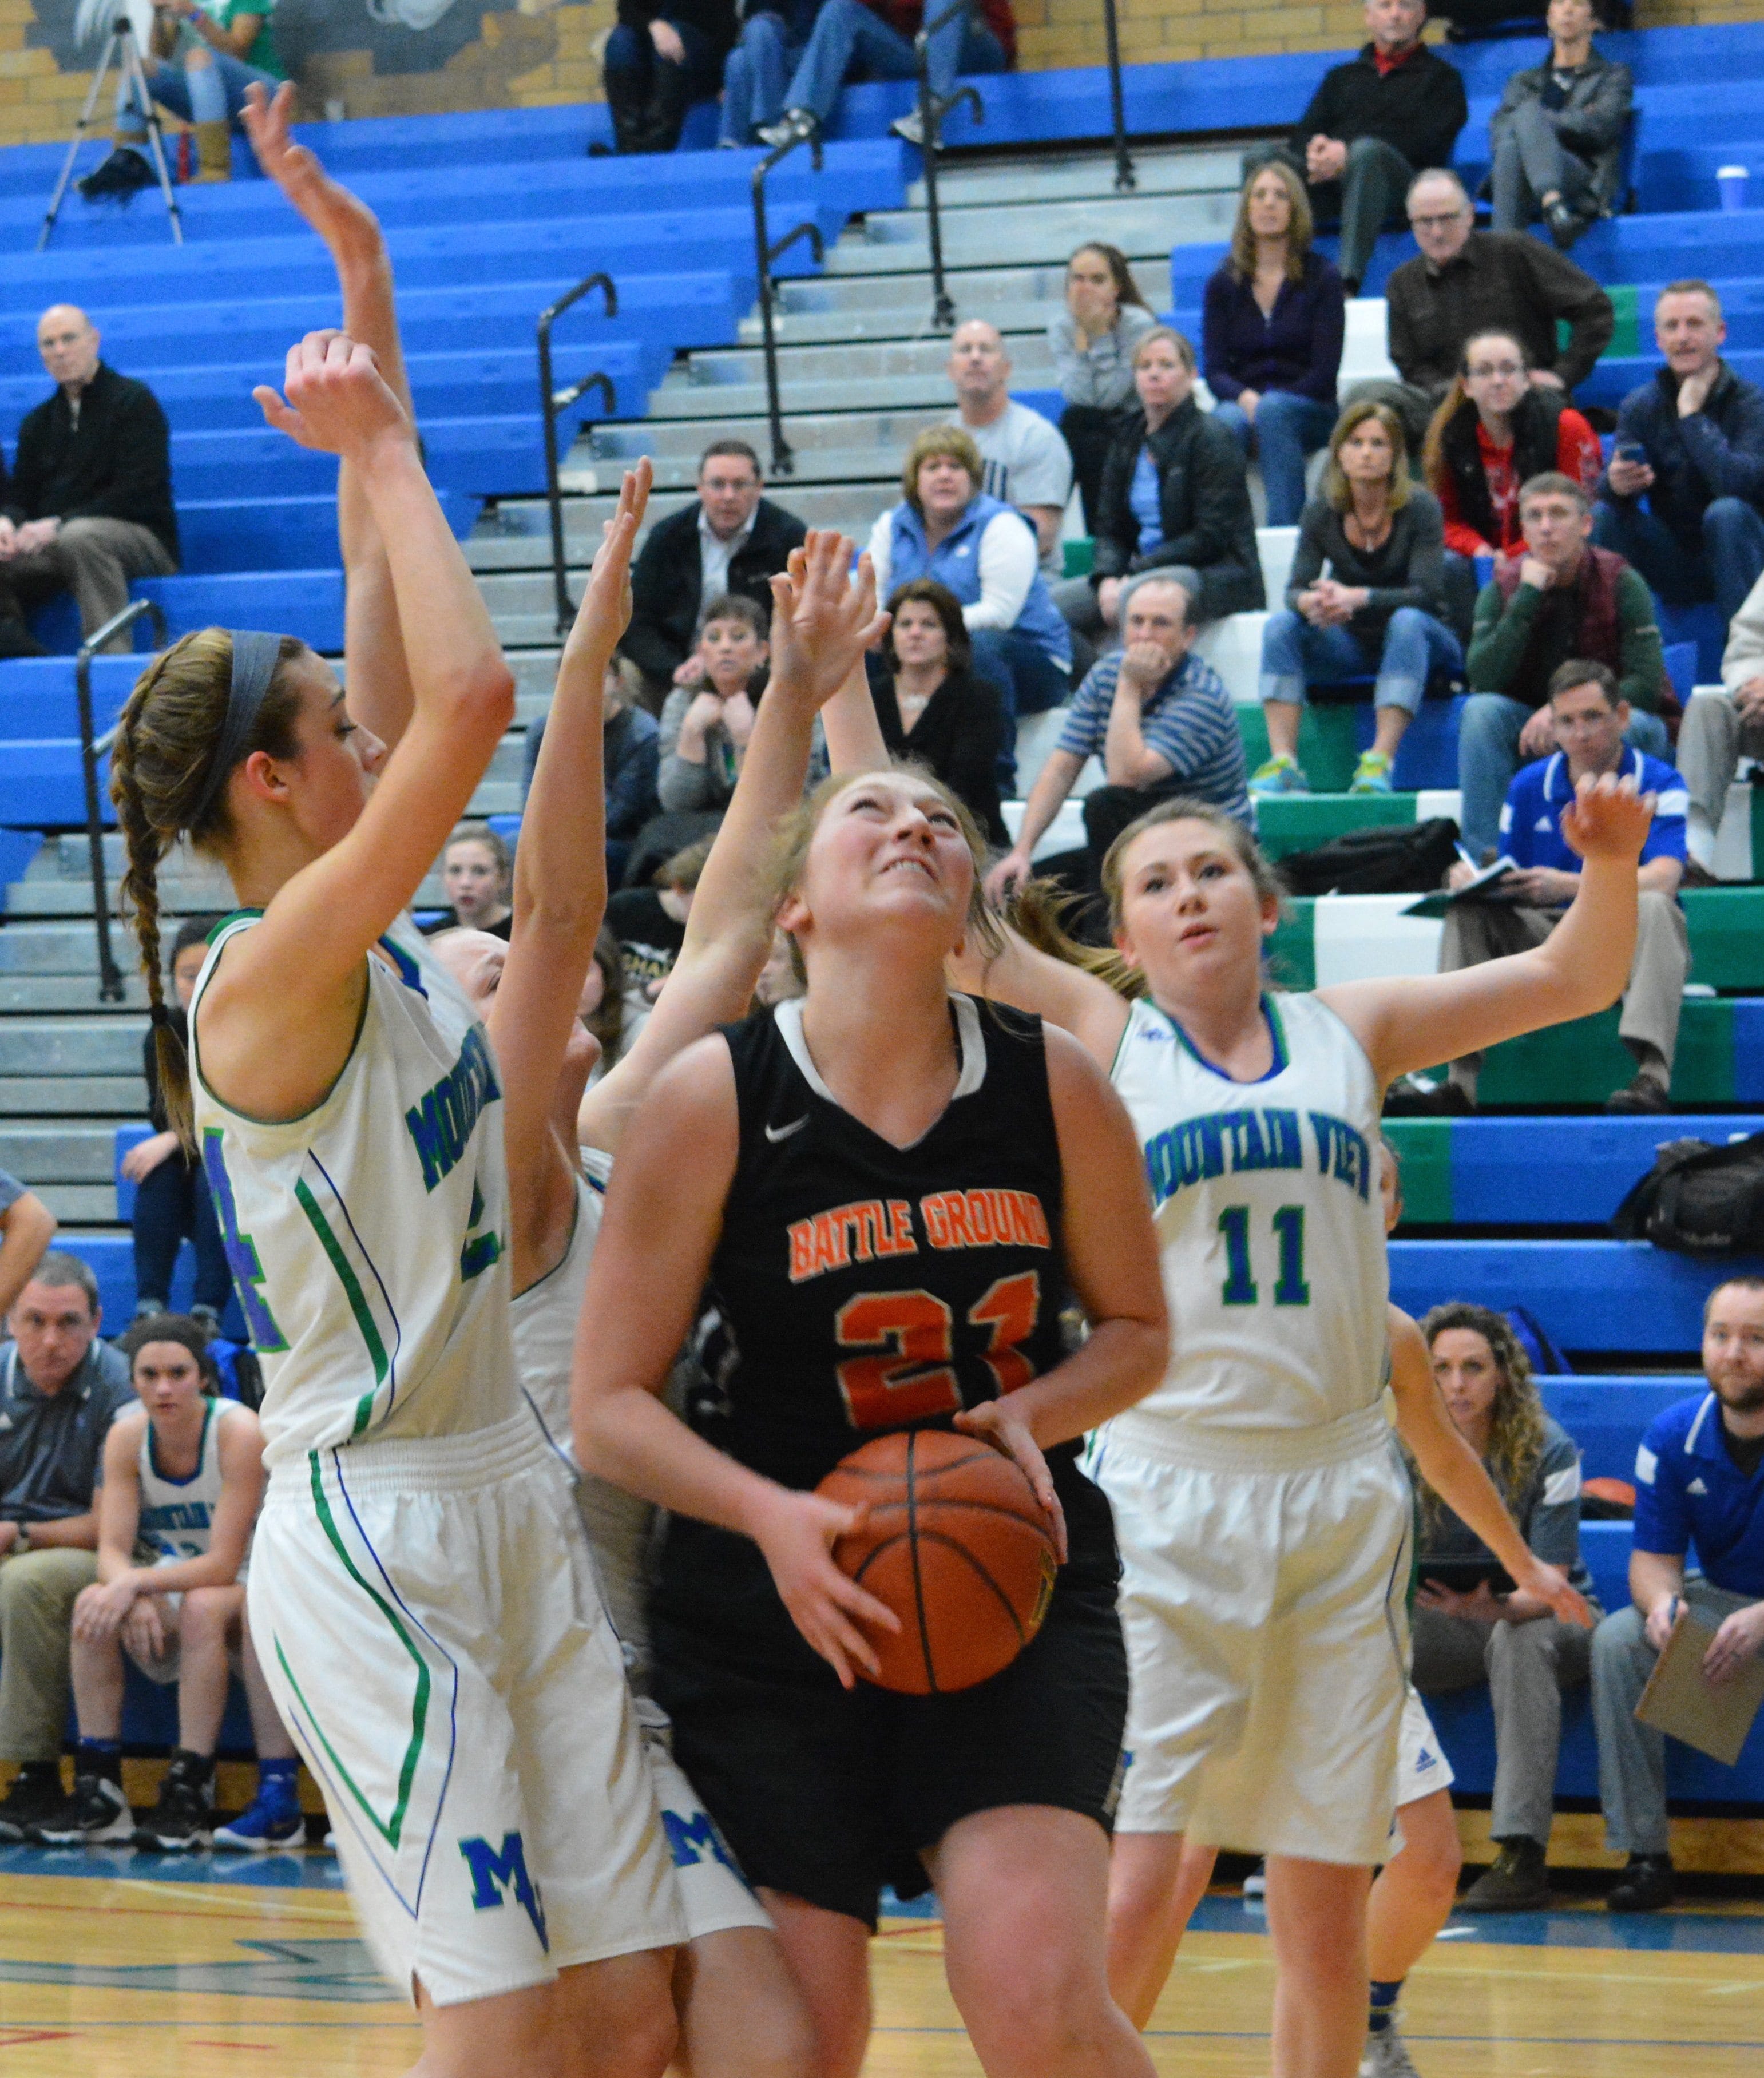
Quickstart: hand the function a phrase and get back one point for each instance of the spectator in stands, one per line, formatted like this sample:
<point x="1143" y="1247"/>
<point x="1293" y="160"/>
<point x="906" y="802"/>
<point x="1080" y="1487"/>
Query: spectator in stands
<point x="1558" y="134"/>
<point x="931" y="706"/>
<point x="1271" y="335"/>
<point x="1563" y="598"/>
<point x="1374" y="125"/>
<point x="1721" y="726"/>
<point x="203" y="55"/>
<point x="477" y="871"/>
<point x="1025" y="459"/>
<point x="89" y="504"/>
<point x="946" y="527"/>
<point x="1378" y="533"/>
<point x="628" y="757"/>
<point x="772" y="38"/>
<point x="648" y="923"/>
<point x="1093" y="340"/>
<point x="1464" y="1635"/>
<point x="1465" y="282"/>
<point x="172" y="1201"/>
<point x="705" y="726"/>
<point x="662" y="56"/>
<point x="1174" y="499"/>
<point x="1160" y="720"/>
<point x="59" y="1387"/>
<point x="1692" y="442"/>
<point x="183" y="1478"/>
<point x="1587" y="716"/>
<point x="1700" y="1479"/>
<point x="1495" y="430"/>
<point x="853" y="39"/>
<point x="733" y="540"/>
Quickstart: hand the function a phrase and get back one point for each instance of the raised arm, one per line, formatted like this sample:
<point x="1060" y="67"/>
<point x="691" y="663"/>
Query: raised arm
<point x="27" y="1228"/>
<point x="821" y="621"/>
<point x="374" y="671"/>
<point x="1579" y="969"/>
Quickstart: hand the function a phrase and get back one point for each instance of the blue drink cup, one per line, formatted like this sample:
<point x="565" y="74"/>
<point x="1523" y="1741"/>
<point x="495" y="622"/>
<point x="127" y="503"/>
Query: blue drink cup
<point x="1732" y="180"/>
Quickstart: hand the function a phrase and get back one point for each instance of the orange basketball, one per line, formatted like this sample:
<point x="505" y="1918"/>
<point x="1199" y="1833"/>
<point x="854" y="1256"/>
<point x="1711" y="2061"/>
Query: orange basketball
<point x="956" y="1545"/>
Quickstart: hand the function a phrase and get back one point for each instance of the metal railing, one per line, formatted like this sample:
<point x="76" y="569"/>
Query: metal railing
<point x="933" y="108"/>
<point x="1125" y="178"/>
<point x="551" y="401"/>
<point x="764" y="253"/>
<point x="92" y="748"/>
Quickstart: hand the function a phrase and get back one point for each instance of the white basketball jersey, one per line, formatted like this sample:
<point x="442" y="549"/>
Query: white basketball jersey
<point x="619" y="1524"/>
<point x="366" y="1239"/>
<point x="178" y="1515"/>
<point x="1265" y="1197"/>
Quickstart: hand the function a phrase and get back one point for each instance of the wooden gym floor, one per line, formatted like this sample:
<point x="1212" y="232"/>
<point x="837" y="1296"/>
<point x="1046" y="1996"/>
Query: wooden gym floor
<point x="116" y="1965"/>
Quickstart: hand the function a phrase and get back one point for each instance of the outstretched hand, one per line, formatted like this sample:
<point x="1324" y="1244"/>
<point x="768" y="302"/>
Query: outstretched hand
<point x="343" y="220"/>
<point x="824" y="617"/>
<point x="1607" y="819"/>
<point x="606" y="607"/>
<point x="337" y="401"/>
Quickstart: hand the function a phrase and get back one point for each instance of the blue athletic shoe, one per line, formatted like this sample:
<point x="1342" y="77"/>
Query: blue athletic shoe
<point x="270" y="1821"/>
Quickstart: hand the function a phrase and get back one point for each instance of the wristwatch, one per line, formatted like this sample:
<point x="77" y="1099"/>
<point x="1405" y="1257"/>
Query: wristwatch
<point x="22" y="1541"/>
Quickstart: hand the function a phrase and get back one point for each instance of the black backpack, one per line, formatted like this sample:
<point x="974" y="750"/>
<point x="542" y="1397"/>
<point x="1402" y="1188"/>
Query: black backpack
<point x="1701" y="1197"/>
<point x="1398" y="859"/>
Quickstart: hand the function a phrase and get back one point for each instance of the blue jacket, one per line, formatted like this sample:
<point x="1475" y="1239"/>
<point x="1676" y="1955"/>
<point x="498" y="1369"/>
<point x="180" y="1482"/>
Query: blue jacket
<point x="1715" y="452"/>
<point x="955" y="563"/>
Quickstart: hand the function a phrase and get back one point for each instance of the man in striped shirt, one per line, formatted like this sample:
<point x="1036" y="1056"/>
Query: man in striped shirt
<point x="1160" y="720"/>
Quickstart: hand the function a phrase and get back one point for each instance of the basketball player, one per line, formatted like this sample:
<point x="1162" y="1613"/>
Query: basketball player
<point x="827" y="1166"/>
<point x="1264" y="1518"/>
<point x="183" y="1474"/>
<point x="740" y="2011"/>
<point x="456" y="1689"/>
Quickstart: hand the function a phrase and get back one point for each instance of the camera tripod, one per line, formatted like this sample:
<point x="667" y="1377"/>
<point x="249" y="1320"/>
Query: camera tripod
<point x="122" y="50"/>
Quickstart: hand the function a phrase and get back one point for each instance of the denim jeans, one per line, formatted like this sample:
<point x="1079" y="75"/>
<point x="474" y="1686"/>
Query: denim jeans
<point x="754" y="76"/>
<point x="213" y="93"/>
<point x="849" y="42"/>
<point x="172" y="1204"/>
<point x="1029" y="680"/>
<point x="1416" y="646"/>
<point x="1530" y="162"/>
<point x="1288" y="429"/>
<point x="1731" y="563"/>
<point x="1488" y="757"/>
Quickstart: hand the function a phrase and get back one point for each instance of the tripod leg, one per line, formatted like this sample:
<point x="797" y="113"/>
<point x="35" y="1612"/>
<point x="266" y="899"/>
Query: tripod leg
<point x="136" y="75"/>
<point x="78" y="139"/>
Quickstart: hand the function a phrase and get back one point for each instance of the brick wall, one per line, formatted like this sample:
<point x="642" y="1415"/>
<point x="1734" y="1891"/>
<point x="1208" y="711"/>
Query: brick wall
<point x="541" y="54"/>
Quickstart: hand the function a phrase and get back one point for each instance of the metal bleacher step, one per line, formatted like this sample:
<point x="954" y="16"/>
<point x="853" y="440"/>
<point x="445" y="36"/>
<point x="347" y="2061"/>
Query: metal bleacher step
<point x="1029" y="231"/>
<point x="119" y="1096"/>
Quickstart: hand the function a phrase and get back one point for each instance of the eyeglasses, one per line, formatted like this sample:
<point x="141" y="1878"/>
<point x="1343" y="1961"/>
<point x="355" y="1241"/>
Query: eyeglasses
<point x="1438" y="223"/>
<point x="1505" y="370"/>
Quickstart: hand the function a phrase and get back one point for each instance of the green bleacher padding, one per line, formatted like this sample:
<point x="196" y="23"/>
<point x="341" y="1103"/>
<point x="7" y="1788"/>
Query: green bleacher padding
<point x="1080" y="554"/>
<point x="1626" y="301"/>
<point x="1423" y="1146"/>
<point x="1328" y="748"/>
<point x="1286" y="823"/>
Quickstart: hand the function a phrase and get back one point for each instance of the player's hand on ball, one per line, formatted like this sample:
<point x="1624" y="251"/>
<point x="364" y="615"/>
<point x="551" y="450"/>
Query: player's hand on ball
<point x="994" y="1422"/>
<point x="1550" y="1585"/>
<point x="337" y="400"/>
<point x="797" y="1538"/>
<point x="1607" y="819"/>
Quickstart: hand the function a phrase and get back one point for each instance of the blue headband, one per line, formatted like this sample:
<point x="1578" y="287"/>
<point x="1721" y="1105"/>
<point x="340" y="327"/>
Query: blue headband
<point x="254" y="657"/>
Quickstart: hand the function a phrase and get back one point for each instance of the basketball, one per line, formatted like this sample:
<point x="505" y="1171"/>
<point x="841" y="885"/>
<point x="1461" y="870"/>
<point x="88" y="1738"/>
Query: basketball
<point x="956" y="1545"/>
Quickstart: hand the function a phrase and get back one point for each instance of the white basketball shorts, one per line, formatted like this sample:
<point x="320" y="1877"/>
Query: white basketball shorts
<point x="427" y="1616"/>
<point x="1421" y="1765"/>
<point x="713" y="1895"/>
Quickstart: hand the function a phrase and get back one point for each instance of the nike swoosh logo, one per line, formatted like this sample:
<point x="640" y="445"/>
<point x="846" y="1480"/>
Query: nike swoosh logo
<point x="776" y="1133"/>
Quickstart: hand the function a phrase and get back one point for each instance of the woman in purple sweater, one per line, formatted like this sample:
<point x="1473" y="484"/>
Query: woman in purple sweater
<point x="1271" y="336"/>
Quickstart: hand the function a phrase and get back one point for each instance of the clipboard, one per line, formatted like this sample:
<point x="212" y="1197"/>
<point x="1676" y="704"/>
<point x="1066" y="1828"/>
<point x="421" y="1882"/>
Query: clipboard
<point x="1484" y="887"/>
<point x="1682" y="1700"/>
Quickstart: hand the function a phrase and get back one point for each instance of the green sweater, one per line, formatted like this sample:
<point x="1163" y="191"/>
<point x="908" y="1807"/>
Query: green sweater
<point x="1504" y="657"/>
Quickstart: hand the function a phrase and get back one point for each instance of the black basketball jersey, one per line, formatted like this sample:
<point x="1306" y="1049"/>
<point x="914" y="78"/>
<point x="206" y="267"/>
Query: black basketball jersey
<point x="865" y="1287"/>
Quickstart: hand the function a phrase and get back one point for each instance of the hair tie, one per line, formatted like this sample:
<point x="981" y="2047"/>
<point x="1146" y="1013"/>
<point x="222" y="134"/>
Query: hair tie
<point x="158" y="1014"/>
<point x="254" y="657"/>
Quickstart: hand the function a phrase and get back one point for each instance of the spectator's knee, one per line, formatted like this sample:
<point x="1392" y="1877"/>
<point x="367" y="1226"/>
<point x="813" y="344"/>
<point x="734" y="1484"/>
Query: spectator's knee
<point x="1615" y="1638"/>
<point x="1723" y="512"/>
<point x="1364" y="150"/>
<point x="1408" y="621"/>
<point x="198" y="59"/>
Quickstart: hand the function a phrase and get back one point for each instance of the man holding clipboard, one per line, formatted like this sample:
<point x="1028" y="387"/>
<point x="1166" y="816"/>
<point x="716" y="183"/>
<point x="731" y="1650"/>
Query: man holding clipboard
<point x="1699" y="1480"/>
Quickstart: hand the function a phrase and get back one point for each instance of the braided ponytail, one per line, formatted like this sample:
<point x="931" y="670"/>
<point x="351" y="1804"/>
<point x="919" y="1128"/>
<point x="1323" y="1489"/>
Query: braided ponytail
<point x="159" y="773"/>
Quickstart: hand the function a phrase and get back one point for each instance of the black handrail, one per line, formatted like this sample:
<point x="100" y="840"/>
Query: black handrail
<point x="1125" y="178"/>
<point x="111" y="987"/>
<point x="765" y="252"/>
<point x="551" y="402"/>
<point x="933" y="108"/>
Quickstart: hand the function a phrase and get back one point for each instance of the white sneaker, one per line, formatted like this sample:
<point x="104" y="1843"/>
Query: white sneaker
<point x="1255" y="1883"/>
<point x="1387" y="2056"/>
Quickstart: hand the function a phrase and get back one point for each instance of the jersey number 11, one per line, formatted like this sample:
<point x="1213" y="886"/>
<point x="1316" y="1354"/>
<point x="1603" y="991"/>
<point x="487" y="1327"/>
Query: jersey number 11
<point x="1241" y="1288"/>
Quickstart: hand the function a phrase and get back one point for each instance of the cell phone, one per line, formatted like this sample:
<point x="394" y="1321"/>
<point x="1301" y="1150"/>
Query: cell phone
<point x="1629" y="451"/>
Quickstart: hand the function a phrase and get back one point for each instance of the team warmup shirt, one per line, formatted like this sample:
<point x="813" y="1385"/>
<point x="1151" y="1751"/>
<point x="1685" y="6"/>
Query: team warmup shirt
<point x="1531" y="816"/>
<point x="1689" y="1491"/>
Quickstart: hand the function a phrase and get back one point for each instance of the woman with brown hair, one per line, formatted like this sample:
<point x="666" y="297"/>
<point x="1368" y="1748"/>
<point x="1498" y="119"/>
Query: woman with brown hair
<point x="1466" y="1633"/>
<point x="1378" y="610"/>
<point x="1271" y="332"/>
<point x="1093" y="340"/>
<point x="932" y="707"/>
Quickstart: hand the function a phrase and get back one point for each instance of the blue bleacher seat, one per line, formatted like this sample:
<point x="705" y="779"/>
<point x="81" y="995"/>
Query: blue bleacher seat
<point x="308" y="603"/>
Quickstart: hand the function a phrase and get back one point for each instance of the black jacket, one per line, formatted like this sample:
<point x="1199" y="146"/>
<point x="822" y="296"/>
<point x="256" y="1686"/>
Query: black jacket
<point x="1418" y="107"/>
<point x="1501" y="280"/>
<point x="1715" y="452"/>
<point x="117" y="464"/>
<point x="1204" y="501"/>
<point x="667" y="584"/>
<point x="958" y="736"/>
